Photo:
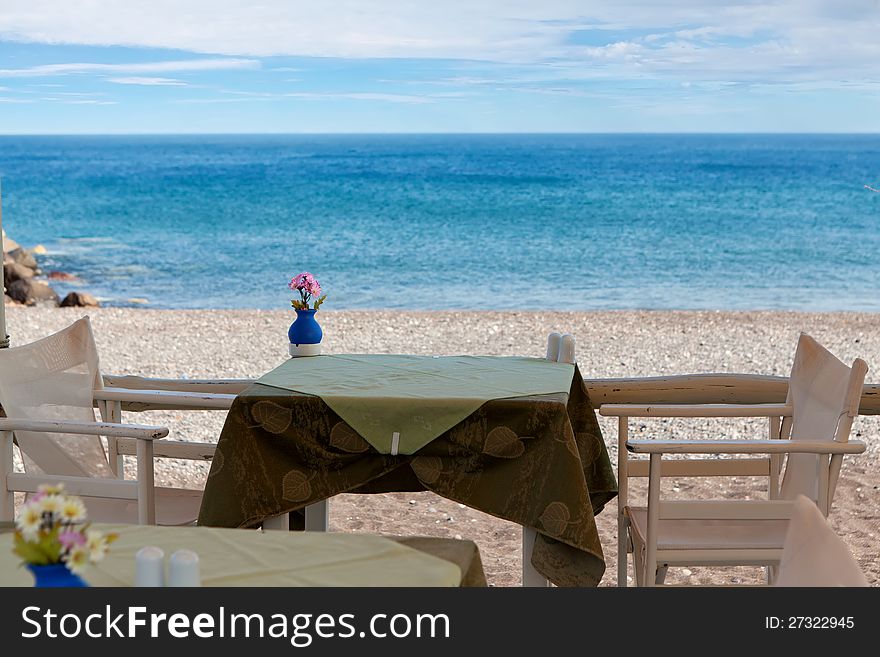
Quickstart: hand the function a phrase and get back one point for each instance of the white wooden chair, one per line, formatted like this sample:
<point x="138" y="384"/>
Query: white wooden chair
<point x="812" y="428"/>
<point x="48" y="390"/>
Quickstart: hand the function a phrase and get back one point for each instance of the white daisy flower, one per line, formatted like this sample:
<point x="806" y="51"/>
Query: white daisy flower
<point x="78" y="559"/>
<point x="51" y="504"/>
<point x="96" y="544"/>
<point x="73" y="510"/>
<point x="29" y="521"/>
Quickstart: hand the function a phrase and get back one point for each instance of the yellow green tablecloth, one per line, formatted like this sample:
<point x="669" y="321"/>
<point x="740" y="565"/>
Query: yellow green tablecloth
<point x="238" y="557"/>
<point x="415" y="397"/>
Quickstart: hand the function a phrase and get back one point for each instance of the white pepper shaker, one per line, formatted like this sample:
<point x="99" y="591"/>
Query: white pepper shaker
<point x="149" y="568"/>
<point x="183" y="569"/>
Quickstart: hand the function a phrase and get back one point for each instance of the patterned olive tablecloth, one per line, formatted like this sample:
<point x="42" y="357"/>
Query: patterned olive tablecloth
<point x="539" y="461"/>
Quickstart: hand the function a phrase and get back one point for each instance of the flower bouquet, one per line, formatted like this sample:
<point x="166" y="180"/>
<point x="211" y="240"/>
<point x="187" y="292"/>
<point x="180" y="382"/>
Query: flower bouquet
<point x="309" y="288"/>
<point x="305" y="333"/>
<point x="54" y="540"/>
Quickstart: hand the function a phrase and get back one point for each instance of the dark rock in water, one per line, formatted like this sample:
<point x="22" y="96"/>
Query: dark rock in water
<point x="13" y="271"/>
<point x="9" y="244"/>
<point x="80" y="299"/>
<point x="32" y="292"/>
<point x="23" y="257"/>
<point x="61" y="276"/>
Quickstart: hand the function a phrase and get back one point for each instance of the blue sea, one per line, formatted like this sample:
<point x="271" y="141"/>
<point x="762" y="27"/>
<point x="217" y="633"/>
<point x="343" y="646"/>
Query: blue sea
<point x="526" y="222"/>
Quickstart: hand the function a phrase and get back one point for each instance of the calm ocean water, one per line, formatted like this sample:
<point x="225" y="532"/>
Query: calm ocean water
<point x="437" y="222"/>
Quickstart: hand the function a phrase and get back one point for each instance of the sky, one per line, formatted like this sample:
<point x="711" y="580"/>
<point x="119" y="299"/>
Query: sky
<point x="342" y="66"/>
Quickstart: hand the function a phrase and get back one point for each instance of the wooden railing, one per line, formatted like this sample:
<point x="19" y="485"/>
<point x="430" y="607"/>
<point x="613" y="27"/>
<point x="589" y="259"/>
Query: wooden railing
<point x="679" y="389"/>
<point x="707" y="389"/>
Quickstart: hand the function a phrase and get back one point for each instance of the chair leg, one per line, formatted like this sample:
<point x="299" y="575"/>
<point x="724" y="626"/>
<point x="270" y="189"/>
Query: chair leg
<point x="661" y="574"/>
<point x="146" y="483"/>
<point x="318" y="516"/>
<point x="622" y="549"/>
<point x="278" y="523"/>
<point x="639" y="566"/>
<point x="7" y="497"/>
<point x="112" y="412"/>
<point x="654" y="475"/>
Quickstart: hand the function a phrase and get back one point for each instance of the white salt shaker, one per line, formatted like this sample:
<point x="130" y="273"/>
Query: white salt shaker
<point x="183" y="569"/>
<point x="566" y="349"/>
<point x="149" y="567"/>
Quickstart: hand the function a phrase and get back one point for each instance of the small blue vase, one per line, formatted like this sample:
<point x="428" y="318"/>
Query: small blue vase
<point x="55" y="575"/>
<point x="305" y="330"/>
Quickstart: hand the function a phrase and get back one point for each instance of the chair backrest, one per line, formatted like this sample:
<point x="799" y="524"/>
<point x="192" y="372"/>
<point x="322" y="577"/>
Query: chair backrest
<point x="824" y="394"/>
<point x="813" y="555"/>
<point x="54" y="379"/>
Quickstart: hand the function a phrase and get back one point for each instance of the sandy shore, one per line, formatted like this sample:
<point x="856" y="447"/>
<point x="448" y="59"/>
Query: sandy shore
<point x="204" y="344"/>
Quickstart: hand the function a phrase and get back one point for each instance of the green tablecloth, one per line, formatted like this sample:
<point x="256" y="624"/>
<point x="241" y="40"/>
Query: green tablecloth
<point x="537" y="460"/>
<point x="399" y="404"/>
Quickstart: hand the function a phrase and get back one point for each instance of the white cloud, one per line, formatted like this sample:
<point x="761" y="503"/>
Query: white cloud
<point x="244" y="96"/>
<point x="223" y="64"/>
<point x="750" y="40"/>
<point x="149" y="82"/>
<point x="382" y="97"/>
<point x="212" y="101"/>
<point x="89" y="102"/>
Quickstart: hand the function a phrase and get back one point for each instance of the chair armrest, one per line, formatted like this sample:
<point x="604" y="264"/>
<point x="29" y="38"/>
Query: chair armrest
<point x="129" y="382"/>
<point x="695" y="410"/>
<point x="171" y="449"/>
<point x="743" y="447"/>
<point x="183" y="400"/>
<point x="139" y="431"/>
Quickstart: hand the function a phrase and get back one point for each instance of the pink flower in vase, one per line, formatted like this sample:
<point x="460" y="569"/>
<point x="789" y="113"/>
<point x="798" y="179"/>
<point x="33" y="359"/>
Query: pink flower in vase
<point x="308" y="288"/>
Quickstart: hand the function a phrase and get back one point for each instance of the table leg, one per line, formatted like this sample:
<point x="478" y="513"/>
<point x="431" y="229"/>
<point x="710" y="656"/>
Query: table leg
<point x="318" y="516"/>
<point x="277" y="523"/>
<point x="530" y="576"/>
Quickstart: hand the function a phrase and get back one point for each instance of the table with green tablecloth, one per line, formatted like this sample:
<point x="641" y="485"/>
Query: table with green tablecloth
<point x="514" y="437"/>
<point x="235" y="557"/>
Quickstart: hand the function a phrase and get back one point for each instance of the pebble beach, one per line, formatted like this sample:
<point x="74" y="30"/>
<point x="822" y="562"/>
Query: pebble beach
<point x="610" y="344"/>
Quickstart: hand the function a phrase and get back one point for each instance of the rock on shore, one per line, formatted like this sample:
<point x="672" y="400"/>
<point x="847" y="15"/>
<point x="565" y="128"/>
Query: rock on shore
<point x="21" y="285"/>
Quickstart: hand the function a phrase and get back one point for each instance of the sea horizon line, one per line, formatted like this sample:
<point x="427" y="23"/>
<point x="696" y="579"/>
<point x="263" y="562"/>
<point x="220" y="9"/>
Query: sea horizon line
<point x="444" y="133"/>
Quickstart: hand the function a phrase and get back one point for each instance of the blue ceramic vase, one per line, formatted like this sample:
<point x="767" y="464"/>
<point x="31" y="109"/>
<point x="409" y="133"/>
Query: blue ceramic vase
<point x="305" y="330"/>
<point x="55" y="575"/>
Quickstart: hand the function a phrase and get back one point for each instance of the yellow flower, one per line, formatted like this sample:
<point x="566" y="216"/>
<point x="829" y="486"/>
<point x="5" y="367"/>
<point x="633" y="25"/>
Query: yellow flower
<point x="78" y="559"/>
<point x="96" y="544"/>
<point x="49" y="489"/>
<point x="73" y="510"/>
<point x="29" y="522"/>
